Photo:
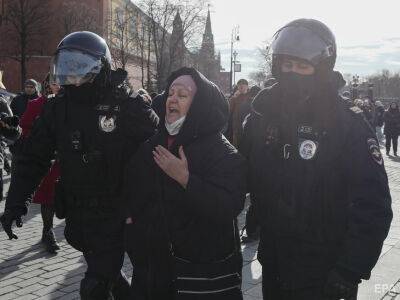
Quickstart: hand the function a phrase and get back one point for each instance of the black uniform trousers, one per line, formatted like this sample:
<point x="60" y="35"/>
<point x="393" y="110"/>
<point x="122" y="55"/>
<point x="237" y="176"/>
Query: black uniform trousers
<point x="98" y="232"/>
<point x="273" y="290"/>
<point x="391" y="139"/>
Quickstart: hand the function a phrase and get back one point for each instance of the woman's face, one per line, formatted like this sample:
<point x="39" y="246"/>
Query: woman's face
<point x="243" y="88"/>
<point x="30" y="89"/>
<point x="54" y="88"/>
<point x="393" y="106"/>
<point x="178" y="102"/>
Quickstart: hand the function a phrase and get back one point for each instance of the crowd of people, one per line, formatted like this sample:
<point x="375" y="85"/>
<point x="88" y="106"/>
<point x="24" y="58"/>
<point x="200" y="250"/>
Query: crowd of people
<point x="164" y="177"/>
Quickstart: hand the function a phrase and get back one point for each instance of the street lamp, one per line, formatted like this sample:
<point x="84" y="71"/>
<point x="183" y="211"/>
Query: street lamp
<point x="234" y="38"/>
<point x="354" y="90"/>
<point x="234" y="66"/>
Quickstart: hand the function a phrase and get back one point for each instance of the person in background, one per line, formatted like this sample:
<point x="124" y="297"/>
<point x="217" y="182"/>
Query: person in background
<point x="44" y="195"/>
<point x="392" y="127"/>
<point x="346" y="95"/>
<point x="368" y="111"/>
<point x="245" y="106"/>
<point x="379" y="119"/>
<point x="19" y="103"/>
<point x="359" y="103"/>
<point x="239" y="97"/>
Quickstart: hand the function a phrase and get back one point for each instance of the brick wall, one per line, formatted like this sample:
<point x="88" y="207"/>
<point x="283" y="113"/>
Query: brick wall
<point x="38" y="65"/>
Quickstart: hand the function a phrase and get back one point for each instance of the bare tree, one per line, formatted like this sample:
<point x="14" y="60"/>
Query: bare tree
<point x="161" y="14"/>
<point x="27" y="21"/>
<point x="141" y="39"/>
<point x="264" y="71"/>
<point x="142" y="43"/>
<point x="266" y="56"/>
<point x="122" y="34"/>
<point x="193" y="15"/>
<point x="258" y="77"/>
<point x="386" y="84"/>
<point x="76" y="16"/>
<point x="143" y="36"/>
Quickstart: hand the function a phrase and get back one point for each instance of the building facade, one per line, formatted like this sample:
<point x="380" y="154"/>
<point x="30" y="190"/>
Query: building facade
<point x="43" y="35"/>
<point x="125" y="27"/>
<point x="209" y="63"/>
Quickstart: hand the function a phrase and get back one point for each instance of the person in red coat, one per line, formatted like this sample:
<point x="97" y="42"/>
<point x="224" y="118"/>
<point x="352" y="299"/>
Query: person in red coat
<point x="44" y="195"/>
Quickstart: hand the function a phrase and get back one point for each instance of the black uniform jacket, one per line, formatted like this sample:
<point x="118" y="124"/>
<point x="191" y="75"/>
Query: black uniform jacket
<point x="94" y="136"/>
<point x="198" y="221"/>
<point x="320" y="188"/>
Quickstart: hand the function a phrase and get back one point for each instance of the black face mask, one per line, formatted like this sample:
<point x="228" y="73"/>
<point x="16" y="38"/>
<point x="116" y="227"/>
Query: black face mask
<point x="298" y="88"/>
<point x="83" y="93"/>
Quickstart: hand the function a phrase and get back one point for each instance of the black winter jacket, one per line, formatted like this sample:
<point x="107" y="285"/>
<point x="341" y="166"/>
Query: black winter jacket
<point x="392" y="122"/>
<point x="198" y="220"/>
<point x="330" y="211"/>
<point x="379" y="116"/>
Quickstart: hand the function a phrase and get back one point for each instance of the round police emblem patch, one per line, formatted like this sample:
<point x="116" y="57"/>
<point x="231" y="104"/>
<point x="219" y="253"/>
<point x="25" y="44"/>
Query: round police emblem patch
<point x="107" y="124"/>
<point x="373" y="148"/>
<point x="307" y="149"/>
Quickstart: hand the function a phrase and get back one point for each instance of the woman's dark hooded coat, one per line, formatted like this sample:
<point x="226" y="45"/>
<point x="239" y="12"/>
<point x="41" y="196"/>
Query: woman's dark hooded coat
<point x="198" y="220"/>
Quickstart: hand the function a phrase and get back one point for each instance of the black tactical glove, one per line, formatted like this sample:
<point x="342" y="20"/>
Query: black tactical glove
<point x="6" y="221"/>
<point x="12" y="121"/>
<point x="338" y="287"/>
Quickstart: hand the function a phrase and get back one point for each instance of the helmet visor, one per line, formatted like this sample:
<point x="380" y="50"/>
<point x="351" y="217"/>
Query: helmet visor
<point x="73" y="67"/>
<point x="302" y="43"/>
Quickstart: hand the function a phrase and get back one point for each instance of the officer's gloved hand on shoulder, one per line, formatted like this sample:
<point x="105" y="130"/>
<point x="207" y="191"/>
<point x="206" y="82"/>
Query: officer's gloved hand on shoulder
<point x="341" y="285"/>
<point x="7" y="220"/>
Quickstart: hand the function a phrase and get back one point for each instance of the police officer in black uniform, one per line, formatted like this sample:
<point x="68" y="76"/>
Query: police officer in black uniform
<point x="94" y="126"/>
<point x="317" y="175"/>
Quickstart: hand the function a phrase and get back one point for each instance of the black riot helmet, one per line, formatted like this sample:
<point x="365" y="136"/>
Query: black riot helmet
<point x="306" y="39"/>
<point x="80" y="57"/>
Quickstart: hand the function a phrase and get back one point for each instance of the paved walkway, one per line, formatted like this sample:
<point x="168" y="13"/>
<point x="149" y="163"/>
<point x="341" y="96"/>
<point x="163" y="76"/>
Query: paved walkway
<point x="28" y="272"/>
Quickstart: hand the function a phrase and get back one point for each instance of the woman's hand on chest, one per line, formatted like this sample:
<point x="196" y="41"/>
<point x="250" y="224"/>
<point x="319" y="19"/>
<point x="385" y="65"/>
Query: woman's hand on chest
<point x="174" y="167"/>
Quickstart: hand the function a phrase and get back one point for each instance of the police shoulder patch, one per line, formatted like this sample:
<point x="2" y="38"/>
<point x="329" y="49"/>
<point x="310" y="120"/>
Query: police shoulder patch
<point x="373" y="148"/>
<point x="307" y="149"/>
<point x="107" y="123"/>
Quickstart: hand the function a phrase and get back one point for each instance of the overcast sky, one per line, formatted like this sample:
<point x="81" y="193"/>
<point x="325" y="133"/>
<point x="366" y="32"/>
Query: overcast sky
<point x="367" y="32"/>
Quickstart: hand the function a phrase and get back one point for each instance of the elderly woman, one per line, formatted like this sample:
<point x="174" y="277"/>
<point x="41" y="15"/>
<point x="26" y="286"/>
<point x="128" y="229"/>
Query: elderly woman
<point x="185" y="188"/>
